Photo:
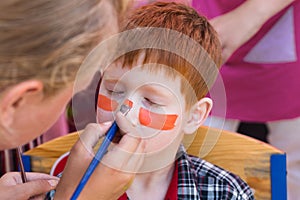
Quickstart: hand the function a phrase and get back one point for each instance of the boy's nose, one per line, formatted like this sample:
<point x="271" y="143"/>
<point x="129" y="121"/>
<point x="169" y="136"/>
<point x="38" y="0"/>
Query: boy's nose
<point x="132" y="115"/>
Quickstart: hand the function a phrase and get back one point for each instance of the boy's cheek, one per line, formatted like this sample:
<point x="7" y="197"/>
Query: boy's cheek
<point x="104" y="116"/>
<point x="105" y="108"/>
<point x="106" y="103"/>
<point x="158" y="121"/>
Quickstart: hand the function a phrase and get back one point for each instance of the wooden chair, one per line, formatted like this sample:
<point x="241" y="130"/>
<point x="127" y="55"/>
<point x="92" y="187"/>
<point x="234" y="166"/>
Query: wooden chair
<point x="259" y="164"/>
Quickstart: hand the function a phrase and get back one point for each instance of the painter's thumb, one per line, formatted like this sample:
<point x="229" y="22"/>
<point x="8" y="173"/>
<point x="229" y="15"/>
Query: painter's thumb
<point x="92" y="133"/>
<point x="34" y="188"/>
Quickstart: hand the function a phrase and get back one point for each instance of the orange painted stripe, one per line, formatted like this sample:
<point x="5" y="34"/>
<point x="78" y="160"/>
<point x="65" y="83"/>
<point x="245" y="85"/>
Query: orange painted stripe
<point x="156" y="120"/>
<point x="128" y="103"/>
<point x="106" y="103"/>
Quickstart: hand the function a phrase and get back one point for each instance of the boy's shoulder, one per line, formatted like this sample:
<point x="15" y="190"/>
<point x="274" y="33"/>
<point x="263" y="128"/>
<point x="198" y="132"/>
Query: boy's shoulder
<point x="204" y="180"/>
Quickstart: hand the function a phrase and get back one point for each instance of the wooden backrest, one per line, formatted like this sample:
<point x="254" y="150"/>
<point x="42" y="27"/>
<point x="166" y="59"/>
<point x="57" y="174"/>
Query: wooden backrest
<point x="259" y="164"/>
<point x="43" y="156"/>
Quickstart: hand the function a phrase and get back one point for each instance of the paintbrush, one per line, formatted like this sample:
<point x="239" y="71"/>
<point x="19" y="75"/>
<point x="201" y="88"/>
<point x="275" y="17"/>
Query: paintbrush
<point x="100" y="153"/>
<point x="21" y="165"/>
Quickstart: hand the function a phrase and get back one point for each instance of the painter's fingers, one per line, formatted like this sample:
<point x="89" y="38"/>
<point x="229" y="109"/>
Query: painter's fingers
<point x="131" y="159"/>
<point x="135" y="162"/>
<point x="80" y="157"/>
<point x="127" y="155"/>
<point x="125" y="126"/>
<point x="130" y="150"/>
<point x="113" y="179"/>
<point x="31" y="176"/>
<point x="92" y="133"/>
<point x="11" y="186"/>
<point x="111" y="182"/>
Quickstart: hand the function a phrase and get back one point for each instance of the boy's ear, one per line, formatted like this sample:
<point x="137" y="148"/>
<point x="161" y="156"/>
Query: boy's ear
<point x="16" y="97"/>
<point x="197" y="115"/>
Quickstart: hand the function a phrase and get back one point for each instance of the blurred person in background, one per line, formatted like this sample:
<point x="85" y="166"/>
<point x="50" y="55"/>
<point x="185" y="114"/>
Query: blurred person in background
<point x="260" y="41"/>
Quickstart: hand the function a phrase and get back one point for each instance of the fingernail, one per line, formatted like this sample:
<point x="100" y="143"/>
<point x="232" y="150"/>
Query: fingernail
<point x="53" y="183"/>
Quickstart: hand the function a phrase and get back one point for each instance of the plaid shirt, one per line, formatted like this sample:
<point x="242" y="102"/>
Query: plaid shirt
<point x="199" y="179"/>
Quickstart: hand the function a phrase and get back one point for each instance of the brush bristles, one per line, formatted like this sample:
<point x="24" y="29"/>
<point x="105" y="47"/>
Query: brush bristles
<point x="124" y="109"/>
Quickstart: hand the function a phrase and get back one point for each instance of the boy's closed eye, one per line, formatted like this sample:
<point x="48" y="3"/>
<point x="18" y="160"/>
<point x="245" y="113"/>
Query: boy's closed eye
<point x="114" y="92"/>
<point x="112" y="88"/>
<point x="147" y="102"/>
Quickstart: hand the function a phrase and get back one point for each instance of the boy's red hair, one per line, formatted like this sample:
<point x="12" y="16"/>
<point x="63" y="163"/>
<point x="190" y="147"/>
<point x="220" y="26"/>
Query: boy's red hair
<point x="187" y="21"/>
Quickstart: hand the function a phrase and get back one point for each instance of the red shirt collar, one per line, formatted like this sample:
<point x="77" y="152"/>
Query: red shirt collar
<point x="172" y="190"/>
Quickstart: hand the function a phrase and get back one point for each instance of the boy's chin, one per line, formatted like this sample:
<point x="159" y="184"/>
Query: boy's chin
<point x="157" y="160"/>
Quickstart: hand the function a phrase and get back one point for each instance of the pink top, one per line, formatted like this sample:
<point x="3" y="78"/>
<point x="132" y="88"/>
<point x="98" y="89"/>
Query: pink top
<point x="262" y="78"/>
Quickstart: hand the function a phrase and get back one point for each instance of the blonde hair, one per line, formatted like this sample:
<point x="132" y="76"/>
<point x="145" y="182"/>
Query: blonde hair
<point x="48" y="40"/>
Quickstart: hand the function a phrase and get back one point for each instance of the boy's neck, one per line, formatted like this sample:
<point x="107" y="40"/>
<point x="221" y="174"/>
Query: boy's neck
<point x="151" y="185"/>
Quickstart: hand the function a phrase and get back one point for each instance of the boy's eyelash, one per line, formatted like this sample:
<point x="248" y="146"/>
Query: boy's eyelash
<point x="114" y="92"/>
<point x="151" y="102"/>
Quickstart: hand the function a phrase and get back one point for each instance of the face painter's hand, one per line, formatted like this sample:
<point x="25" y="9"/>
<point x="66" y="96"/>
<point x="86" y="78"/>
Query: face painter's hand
<point x="122" y="156"/>
<point x="105" y="182"/>
<point x="11" y="186"/>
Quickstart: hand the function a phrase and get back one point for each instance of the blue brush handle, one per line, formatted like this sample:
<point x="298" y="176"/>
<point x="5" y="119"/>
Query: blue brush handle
<point x="99" y="155"/>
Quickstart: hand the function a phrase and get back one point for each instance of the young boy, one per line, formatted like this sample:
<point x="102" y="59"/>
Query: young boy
<point x="167" y="95"/>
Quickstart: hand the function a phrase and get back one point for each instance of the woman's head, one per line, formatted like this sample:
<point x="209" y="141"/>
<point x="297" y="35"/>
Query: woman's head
<point x="47" y="40"/>
<point x="42" y="44"/>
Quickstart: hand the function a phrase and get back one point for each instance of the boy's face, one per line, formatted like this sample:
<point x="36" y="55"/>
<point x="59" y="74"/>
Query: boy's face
<point x="157" y="111"/>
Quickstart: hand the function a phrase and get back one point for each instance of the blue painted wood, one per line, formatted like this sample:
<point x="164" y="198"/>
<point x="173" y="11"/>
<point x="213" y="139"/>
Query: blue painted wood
<point x="26" y="163"/>
<point x="278" y="177"/>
